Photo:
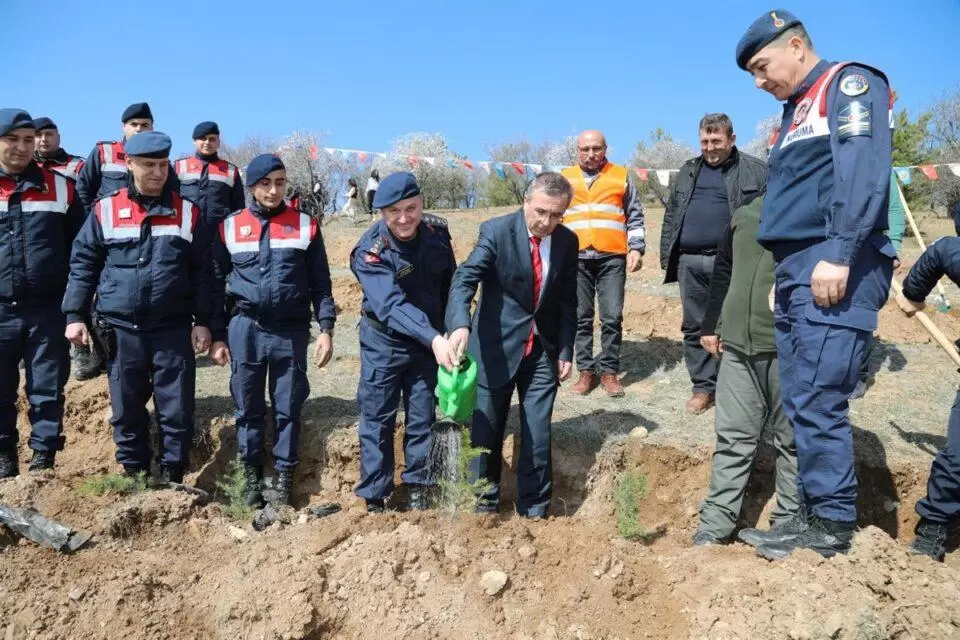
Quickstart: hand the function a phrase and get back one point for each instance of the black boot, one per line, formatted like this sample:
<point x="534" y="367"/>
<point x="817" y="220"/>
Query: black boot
<point x="42" y="460"/>
<point x="283" y="485"/>
<point x="9" y="464"/>
<point x="87" y="363"/>
<point x="826" y="537"/>
<point x="170" y="473"/>
<point x="930" y="540"/>
<point x="417" y="498"/>
<point x="376" y="506"/>
<point x="253" y="492"/>
<point x="783" y="531"/>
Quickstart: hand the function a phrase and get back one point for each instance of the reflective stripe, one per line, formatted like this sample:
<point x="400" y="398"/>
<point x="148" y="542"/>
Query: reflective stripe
<point x="233" y="245"/>
<point x="60" y="205"/>
<point x="635" y="233"/>
<point x="216" y="177"/>
<point x="110" y="232"/>
<point x="601" y="208"/>
<point x="113" y="166"/>
<point x="188" y="176"/>
<point x="596" y="224"/>
<point x="184" y="229"/>
<point x="3" y="206"/>
<point x="303" y="242"/>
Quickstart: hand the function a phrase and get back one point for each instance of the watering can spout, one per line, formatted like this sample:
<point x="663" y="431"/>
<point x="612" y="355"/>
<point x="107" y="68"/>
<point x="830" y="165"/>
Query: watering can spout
<point x="457" y="390"/>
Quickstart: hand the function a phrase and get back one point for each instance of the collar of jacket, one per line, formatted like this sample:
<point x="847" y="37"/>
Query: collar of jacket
<point x="161" y="205"/>
<point x="264" y="213"/>
<point x="30" y="178"/>
<point x="60" y="156"/>
<point x="818" y="70"/>
<point x="203" y="158"/>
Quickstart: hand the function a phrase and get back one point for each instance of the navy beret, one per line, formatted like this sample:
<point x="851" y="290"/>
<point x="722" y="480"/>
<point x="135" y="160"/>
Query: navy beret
<point x="137" y="110"/>
<point x="205" y="129"/>
<point x="394" y="188"/>
<point x="44" y="123"/>
<point x="11" y="119"/>
<point x="148" y="144"/>
<point x="261" y="166"/>
<point x="762" y="32"/>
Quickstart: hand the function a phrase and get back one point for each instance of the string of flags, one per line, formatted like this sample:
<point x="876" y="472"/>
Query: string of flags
<point x="503" y="169"/>
<point x="929" y="171"/>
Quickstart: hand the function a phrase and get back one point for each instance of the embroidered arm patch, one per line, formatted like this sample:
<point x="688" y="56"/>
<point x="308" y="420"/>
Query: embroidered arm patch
<point x="854" y="119"/>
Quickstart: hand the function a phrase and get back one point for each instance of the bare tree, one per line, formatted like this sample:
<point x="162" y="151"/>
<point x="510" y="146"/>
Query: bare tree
<point x="759" y="146"/>
<point x="442" y="178"/>
<point x="945" y="125"/>
<point x="662" y="152"/>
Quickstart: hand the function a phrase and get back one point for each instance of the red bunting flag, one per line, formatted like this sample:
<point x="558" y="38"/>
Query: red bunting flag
<point x="313" y="152"/>
<point x="414" y="162"/>
<point x="930" y="171"/>
<point x="643" y="174"/>
<point x="518" y="167"/>
<point x="362" y="155"/>
<point x="467" y="164"/>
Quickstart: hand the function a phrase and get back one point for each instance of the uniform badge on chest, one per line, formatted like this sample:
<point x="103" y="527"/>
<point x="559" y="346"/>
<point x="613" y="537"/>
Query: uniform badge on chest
<point x="802" y="110"/>
<point x="246" y="231"/>
<point x="124" y="214"/>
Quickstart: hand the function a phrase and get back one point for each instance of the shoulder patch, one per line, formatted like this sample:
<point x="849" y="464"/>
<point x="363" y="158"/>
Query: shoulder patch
<point x="379" y="245"/>
<point x="854" y="84"/>
<point x="436" y="221"/>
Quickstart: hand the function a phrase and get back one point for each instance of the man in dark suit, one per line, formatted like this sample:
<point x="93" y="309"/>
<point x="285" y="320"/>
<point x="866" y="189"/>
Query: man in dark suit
<point x="521" y="335"/>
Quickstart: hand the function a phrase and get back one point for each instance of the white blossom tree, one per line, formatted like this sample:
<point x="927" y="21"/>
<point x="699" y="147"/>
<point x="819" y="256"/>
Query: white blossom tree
<point x="661" y="153"/>
<point x="759" y="146"/>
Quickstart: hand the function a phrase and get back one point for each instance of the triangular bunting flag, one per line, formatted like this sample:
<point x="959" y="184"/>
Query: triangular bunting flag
<point x="955" y="168"/>
<point x="929" y="170"/>
<point x="362" y="156"/>
<point x="414" y="162"/>
<point x="517" y="167"/>
<point x="536" y="168"/>
<point x="330" y="150"/>
<point x="903" y="175"/>
<point x="313" y="151"/>
<point x="429" y="161"/>
<point x="485" y="167"/>
<point x="500" y="172"/>
<point x="469" y="165"/>
<point x="663" y="176"/>
<point x="643" y="174"/>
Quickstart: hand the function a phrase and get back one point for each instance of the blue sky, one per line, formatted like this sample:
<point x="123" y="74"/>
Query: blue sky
<point x="480" y="72"/>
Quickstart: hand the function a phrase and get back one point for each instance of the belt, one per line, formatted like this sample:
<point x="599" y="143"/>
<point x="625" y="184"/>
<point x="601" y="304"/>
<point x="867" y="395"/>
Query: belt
<point x="697" y="252"/>
<point x="381" y="327"/>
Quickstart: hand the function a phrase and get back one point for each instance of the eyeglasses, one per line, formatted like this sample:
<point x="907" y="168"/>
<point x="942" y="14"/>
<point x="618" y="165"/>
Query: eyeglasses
<point x="589" y="149"/>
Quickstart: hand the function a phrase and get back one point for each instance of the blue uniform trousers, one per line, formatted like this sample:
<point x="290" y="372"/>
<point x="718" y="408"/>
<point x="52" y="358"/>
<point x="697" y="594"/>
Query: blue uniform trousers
<point x="34" y="335"/>
<point x="392" y="365"/>
<point x="942" y="502"/>
<point x="536" y="384"/>
<point x="260" y="355"/>
<point x="158" y="363"/>
<point x="821" y="350"/>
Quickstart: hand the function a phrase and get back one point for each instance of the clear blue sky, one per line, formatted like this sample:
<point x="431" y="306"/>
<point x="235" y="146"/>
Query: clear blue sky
<point x="479" y="71"/>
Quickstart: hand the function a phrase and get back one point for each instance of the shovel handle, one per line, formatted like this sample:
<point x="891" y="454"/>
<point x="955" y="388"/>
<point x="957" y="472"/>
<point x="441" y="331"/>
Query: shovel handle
<point x="923" y="246"/>
<point x="931" y="328"/>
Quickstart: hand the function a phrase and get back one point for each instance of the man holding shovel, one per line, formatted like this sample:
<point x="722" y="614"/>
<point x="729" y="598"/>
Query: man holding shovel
<point x="941" y="506"/>
<point x="404" y="263"/>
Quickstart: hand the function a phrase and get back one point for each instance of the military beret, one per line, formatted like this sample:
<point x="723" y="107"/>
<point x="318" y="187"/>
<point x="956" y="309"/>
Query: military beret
<point x="261" y="166"/>
<point x="148" y="144"/>
<point x="394" y="188"/>
<point x="762" y="32"/>
<point x="11" y="119"/>
<point x="205" y="129"/>
<point x="137" y="110"/>
<point x="44" y="123"/>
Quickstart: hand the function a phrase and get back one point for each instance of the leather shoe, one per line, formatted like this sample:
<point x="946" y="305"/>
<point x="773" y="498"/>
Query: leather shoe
<point x="611" y="384"/>
<point x="699" y="402"/>
<point x="586" y="383"/>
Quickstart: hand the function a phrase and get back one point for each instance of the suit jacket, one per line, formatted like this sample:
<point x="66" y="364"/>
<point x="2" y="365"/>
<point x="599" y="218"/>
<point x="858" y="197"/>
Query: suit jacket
<point x="501" y="261"/>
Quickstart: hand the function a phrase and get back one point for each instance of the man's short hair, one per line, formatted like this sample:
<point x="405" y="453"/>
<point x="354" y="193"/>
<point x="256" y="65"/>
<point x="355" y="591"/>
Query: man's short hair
<point x="797" y="30"/>
<point x="713" y="122"/>
<point x="552" y="184"/>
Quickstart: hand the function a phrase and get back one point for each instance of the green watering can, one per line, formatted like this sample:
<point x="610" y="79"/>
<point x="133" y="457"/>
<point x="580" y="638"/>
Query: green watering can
<point x="457" y="390"/>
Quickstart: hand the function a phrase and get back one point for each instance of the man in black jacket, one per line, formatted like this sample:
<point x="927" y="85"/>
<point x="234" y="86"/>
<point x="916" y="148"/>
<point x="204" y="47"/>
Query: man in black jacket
<point x="707" y="191"/>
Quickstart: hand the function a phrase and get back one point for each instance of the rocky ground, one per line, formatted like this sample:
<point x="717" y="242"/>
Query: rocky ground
<point x="164" y="564"/>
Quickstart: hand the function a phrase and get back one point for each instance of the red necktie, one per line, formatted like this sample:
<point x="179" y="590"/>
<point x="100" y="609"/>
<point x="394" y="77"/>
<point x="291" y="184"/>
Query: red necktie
<point x="537" y="282"/>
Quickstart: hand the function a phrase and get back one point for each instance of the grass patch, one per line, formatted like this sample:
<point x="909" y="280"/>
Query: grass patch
<point x="459" y="495"/>
<point x="113" y="484"/>
<point x="232" y="488"/>
<point x="630" y="488"/>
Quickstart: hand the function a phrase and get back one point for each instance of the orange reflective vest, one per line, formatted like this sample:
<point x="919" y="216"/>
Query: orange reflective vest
<point x="596" y="213"/>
